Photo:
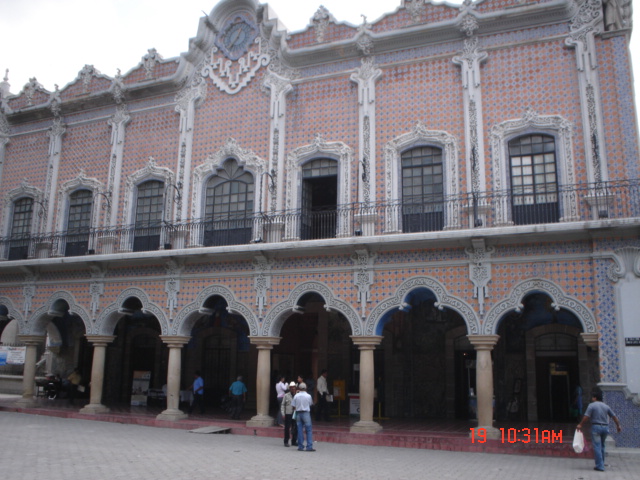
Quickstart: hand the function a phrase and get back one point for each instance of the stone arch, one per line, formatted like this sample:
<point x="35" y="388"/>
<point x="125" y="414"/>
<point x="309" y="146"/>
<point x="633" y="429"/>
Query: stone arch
<point x="276" y="317"/>
<point x="443" y="300"/>
<point x="189" y="315"/>
<point x="420" y="136"/>
<point x="108" y="319"/>
<point x="40" y="318"/>
<point x="560" y="300"/>
<point x="14" y="314"/>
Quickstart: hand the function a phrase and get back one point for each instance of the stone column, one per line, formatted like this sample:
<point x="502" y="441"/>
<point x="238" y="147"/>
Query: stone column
<point x="484" y="381"/>
<point x="174" y="369"/>
<point x="29" y="373"/>
<point x="263" y="380"/>
<point x="100" y="343"/>
<point x="366" y="345"/>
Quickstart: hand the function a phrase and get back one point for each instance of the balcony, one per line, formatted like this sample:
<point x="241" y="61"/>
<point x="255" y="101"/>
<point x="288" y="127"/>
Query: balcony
<point x="580" y="203"/>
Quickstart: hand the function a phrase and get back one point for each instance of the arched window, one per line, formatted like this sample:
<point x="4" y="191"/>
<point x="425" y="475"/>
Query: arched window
<point x="20" y="229"/>
<point x="422" y="190"/>
<point x="79" y="223"/>
<point x="319" y="199"/>
<point x="534" y="179"/>
<point x="149" y="216"/>
<point x="229" y="206"/>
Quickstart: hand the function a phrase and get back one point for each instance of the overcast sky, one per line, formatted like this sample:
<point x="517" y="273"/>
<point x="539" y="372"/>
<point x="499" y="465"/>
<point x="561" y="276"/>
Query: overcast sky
<point x="53" y="39"/>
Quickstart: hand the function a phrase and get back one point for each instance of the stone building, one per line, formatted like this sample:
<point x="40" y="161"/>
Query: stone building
<point x="441" y="207"/>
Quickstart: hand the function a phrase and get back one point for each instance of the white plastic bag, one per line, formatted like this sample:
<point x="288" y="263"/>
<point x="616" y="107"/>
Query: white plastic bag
<point x="578" y="441"/>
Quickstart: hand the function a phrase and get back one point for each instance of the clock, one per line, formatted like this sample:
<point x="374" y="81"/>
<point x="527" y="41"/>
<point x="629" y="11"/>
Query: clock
<point x="234" y="40"/>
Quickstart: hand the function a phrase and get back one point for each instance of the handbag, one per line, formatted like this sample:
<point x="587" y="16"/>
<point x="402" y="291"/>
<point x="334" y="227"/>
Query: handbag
<point x="578" y="441"/>
<point x="295" y="414"/>
<point x="328" y="398"/>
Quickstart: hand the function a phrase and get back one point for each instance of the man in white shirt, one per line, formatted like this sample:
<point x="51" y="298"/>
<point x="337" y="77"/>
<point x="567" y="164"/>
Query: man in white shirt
<point x="302" y="403"/>
<point x="281" y="390"/>
<point x="323" y="391"/>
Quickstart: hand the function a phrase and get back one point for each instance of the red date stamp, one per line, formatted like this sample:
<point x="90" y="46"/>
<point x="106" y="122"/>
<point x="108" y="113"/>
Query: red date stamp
<point x="519" y="435"/>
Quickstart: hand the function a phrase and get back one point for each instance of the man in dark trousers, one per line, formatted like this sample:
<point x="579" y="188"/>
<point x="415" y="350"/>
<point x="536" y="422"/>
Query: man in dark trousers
<point x="197" y="388"/>
<point x="599" y="414"/>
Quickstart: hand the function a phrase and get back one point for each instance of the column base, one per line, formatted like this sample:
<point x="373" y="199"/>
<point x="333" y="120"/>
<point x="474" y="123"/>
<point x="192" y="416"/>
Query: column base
<point x="492" y="432"/>
<point x="94" y="409"/>
<point x="260" y="421"/>
<point x="26" y="402"/>
<point x="365" y="427"/>
<point x="172" y="415"/>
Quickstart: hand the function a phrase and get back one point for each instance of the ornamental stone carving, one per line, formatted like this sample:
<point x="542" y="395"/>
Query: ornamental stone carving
<point x="443" y="300"/>
<point x="626" y="263"/>
<point x="560" y="300"/>
<point x="480" y="270"/>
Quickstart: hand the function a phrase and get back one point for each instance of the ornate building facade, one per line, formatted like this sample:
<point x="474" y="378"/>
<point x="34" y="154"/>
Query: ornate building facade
<point x="441" y="207"/>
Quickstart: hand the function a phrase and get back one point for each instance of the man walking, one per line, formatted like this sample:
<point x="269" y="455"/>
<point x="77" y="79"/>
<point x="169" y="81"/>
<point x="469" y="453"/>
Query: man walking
<point x="599" y="414"/>
<point x="302" y="403"/>
<point x="238" y="392"/>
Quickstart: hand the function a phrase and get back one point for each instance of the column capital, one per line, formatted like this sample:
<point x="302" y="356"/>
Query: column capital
<point x="32" y="340"/>
<point x="100" y="340"/>
<point x="265" y="343"/>
<point x="483" y="342"/>
<point x="367" y="342"/>
<point x="175" y="341"/>
<point x="590" y="340"/>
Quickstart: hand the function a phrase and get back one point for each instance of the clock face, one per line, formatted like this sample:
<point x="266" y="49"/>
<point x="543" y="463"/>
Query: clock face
<point x="235" y="39"/>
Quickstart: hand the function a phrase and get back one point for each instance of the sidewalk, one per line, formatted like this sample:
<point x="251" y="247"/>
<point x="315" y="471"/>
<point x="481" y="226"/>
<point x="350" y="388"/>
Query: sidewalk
<point x="71" y="449"/>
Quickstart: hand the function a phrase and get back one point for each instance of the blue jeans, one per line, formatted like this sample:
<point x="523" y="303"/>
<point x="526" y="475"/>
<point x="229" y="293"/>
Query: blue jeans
<point x="304" y="429"/>
<point x="599" y="435"/>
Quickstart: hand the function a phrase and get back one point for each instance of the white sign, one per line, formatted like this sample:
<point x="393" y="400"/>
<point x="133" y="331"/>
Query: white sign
<point x="12" y="355"/>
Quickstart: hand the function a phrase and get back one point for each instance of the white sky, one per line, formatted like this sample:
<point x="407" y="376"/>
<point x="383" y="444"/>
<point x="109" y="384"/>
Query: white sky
<point x="53" y="39"/>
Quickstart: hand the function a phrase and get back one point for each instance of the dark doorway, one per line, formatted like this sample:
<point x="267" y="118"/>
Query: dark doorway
<point x="319" y="199"/>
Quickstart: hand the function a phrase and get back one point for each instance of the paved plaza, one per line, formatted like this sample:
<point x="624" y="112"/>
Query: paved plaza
<point x="36" y="446"/>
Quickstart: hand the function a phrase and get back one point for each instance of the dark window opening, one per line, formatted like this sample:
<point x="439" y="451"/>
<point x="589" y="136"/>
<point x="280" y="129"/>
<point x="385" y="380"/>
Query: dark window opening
<point x="149" y="216"/>
<point x="422" y="190"/>
<point x="20" y="229"/>
<point x="79" y="223"/>
<point x="319" y="199"/>
<point x="534" y="181"/>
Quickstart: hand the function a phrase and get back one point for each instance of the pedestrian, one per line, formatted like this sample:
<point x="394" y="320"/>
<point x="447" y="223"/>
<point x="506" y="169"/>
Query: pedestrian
<point x="599" y="413"/>
<point x="74" y="380"/>
<point x="286" y="410"/>
<point x="238" y="393"/>
<point x="576" y="406"/>
<point x="281" y="390"/>
<point x="197" y="388"/>
<point x="302" y="403"/>
<point x="323" y="390"/>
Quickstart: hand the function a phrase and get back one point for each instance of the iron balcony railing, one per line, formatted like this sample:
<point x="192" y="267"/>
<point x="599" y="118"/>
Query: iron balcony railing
<point x="592" y="202"/>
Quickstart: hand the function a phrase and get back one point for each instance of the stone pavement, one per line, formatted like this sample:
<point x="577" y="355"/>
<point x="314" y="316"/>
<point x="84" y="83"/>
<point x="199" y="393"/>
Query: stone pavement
<point x="51" y="448"/>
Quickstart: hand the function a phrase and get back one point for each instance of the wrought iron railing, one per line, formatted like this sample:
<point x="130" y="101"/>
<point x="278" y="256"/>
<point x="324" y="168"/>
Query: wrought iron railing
<point x="589" y="202"/>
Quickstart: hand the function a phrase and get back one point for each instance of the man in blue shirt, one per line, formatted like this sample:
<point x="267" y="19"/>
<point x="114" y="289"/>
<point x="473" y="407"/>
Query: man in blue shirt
<point x="599" y="413"/>
<point x="197" y="388"/>
<point x="238" y="392"/>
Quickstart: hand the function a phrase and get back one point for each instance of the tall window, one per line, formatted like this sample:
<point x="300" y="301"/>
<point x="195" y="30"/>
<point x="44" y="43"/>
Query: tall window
<point x="79" y="223"/>
<point x="319" y="199"/>
<point x="149" y="216"/>
<point x="422" y="190"/>
<point x="534" y="181"/>
<point x="229" y="206"/>
<point x="20" y="229"/>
